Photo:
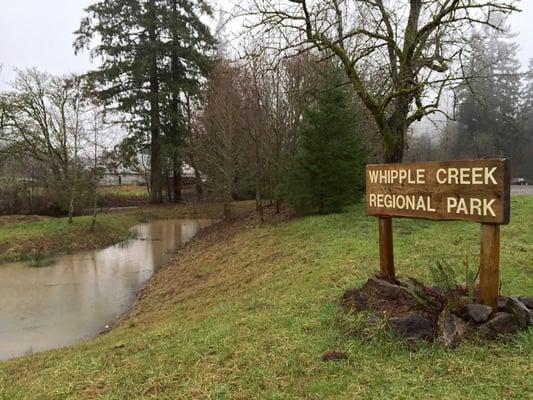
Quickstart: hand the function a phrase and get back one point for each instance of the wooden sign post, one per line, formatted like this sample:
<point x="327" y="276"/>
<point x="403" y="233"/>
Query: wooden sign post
<point x="473" y="190"/>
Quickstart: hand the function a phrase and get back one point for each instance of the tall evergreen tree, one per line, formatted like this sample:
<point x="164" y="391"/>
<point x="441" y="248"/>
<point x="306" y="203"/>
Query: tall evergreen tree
<point x="527" y="95"/>
<point x="490" y="100"/>
<point x="152" y="52"/>
<point x="525" y="168"/>
<point x="329" y="166"/>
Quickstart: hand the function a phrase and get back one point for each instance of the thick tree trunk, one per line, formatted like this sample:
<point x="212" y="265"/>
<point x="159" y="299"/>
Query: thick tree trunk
<point x="155" y="124"/>
<point x="175" y="68"/>
<point x="394" y="132"/>
<point x="393" y="144"/>
<point x="155" y="159"/>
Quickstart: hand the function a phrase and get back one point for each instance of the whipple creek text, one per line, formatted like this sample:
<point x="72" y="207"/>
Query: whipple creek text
<point x="456" y="190"/>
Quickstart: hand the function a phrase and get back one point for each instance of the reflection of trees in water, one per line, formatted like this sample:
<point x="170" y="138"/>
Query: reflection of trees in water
<point x="76" y="296"/>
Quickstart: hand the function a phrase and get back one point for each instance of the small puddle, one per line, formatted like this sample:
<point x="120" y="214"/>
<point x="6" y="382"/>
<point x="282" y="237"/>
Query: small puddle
<point x="76" y="296"/>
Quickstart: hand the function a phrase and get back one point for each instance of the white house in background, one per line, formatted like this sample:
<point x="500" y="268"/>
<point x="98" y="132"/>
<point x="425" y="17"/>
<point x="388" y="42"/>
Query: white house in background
<point x="130" y="176"/>
<point x="123" y="177"/>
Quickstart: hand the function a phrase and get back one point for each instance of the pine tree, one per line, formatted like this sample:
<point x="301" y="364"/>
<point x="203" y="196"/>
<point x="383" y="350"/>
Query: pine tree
<point x="328" y="170"/>
<point x="490" y="100"/>
<point x="525" y="162"/>
<point x="526" y="109"/>
<point x="152" y="52"/>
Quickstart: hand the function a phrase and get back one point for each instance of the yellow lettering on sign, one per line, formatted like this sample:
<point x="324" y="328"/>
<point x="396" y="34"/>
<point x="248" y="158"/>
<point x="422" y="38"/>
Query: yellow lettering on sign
<point x="489" y="175"/>
<point x="473" y="206"/>
<point x="487" y="206"/>
<point x="374" y="174"/>
<point x="477" y="176"/>
<point x="420" y="176"/>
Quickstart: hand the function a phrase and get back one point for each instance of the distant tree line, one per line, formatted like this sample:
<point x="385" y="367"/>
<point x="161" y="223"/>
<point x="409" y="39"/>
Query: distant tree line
<point x="493" y="110"/>
<point x="51" y="134"/>
<point x="321" y="89"/>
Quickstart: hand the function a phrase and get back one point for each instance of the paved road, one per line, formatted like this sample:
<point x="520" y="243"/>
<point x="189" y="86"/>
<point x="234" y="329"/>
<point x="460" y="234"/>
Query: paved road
<point x="524" y="190"/>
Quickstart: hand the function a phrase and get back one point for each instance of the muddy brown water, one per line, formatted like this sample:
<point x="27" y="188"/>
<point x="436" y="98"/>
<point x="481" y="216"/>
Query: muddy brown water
<point x="77" y="296"/>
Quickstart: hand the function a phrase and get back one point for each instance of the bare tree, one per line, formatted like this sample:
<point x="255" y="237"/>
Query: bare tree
<point x="400" y="55"/>
<point x="44" y="119"/>
<point x="220" y="132"/>
<point x="285" y="91"/>
<point x="99" y="138"/>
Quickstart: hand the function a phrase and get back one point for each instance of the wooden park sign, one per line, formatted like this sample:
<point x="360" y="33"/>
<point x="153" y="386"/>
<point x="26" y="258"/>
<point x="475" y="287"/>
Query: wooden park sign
<point x="473" y="190"/>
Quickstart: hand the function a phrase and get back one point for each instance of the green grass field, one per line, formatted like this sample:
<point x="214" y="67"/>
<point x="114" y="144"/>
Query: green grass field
<point x="124" y="190"/>
<point x="247" y="310"/>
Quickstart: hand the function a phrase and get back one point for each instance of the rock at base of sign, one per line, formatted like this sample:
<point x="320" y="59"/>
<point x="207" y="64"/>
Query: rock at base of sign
<point x="355" y="300"/>
<point x="477" y="313"/>
<point x="528" y="302"/>
<point x="379" y="295"/>
<point x="523" y="315"/>
<point x="380" y="288"/>
<point x="451" y="329"/>
<point x="413" y="326"/>
<point x="415" y="312"/>
<point x="501" y="323"/>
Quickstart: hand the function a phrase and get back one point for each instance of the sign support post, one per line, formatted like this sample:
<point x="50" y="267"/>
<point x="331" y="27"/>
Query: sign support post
<point x="489" y="265"/>
<point x="386" y="249"/>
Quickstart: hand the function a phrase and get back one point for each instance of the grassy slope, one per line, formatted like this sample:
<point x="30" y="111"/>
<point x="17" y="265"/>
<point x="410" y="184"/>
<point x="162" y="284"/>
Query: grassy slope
<point x="247" y="313"/>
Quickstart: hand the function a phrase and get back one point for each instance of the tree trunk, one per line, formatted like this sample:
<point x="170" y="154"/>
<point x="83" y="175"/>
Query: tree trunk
<point x="155" y="158"/>
<point x="175" y="69"/>
<point x="71" y="205"/>
<point x="169" y="185"/>
<point x="95" y="210"/>
<point x="393" y="144"/>
<point x="155" y="123"/>
<point x="227" y="211"/>
<point x="198" y="185"/>
<point x="177" y="182"/>
<point x="259" y="205"/>
<point x="394" y="132"/>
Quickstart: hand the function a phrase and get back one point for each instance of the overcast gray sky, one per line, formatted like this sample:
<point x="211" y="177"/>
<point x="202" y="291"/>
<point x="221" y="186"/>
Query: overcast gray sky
<point x="39" y="33"/>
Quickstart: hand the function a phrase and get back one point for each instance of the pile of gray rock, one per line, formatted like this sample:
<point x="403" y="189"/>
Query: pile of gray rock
<point x="417" y="312"/>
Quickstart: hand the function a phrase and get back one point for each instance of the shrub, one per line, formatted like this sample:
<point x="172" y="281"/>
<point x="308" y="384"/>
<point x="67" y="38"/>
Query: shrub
<point x="327" y="172"/>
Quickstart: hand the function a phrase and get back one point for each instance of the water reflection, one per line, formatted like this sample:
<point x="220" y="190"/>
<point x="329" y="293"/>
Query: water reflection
<point x="77" y="295"/>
